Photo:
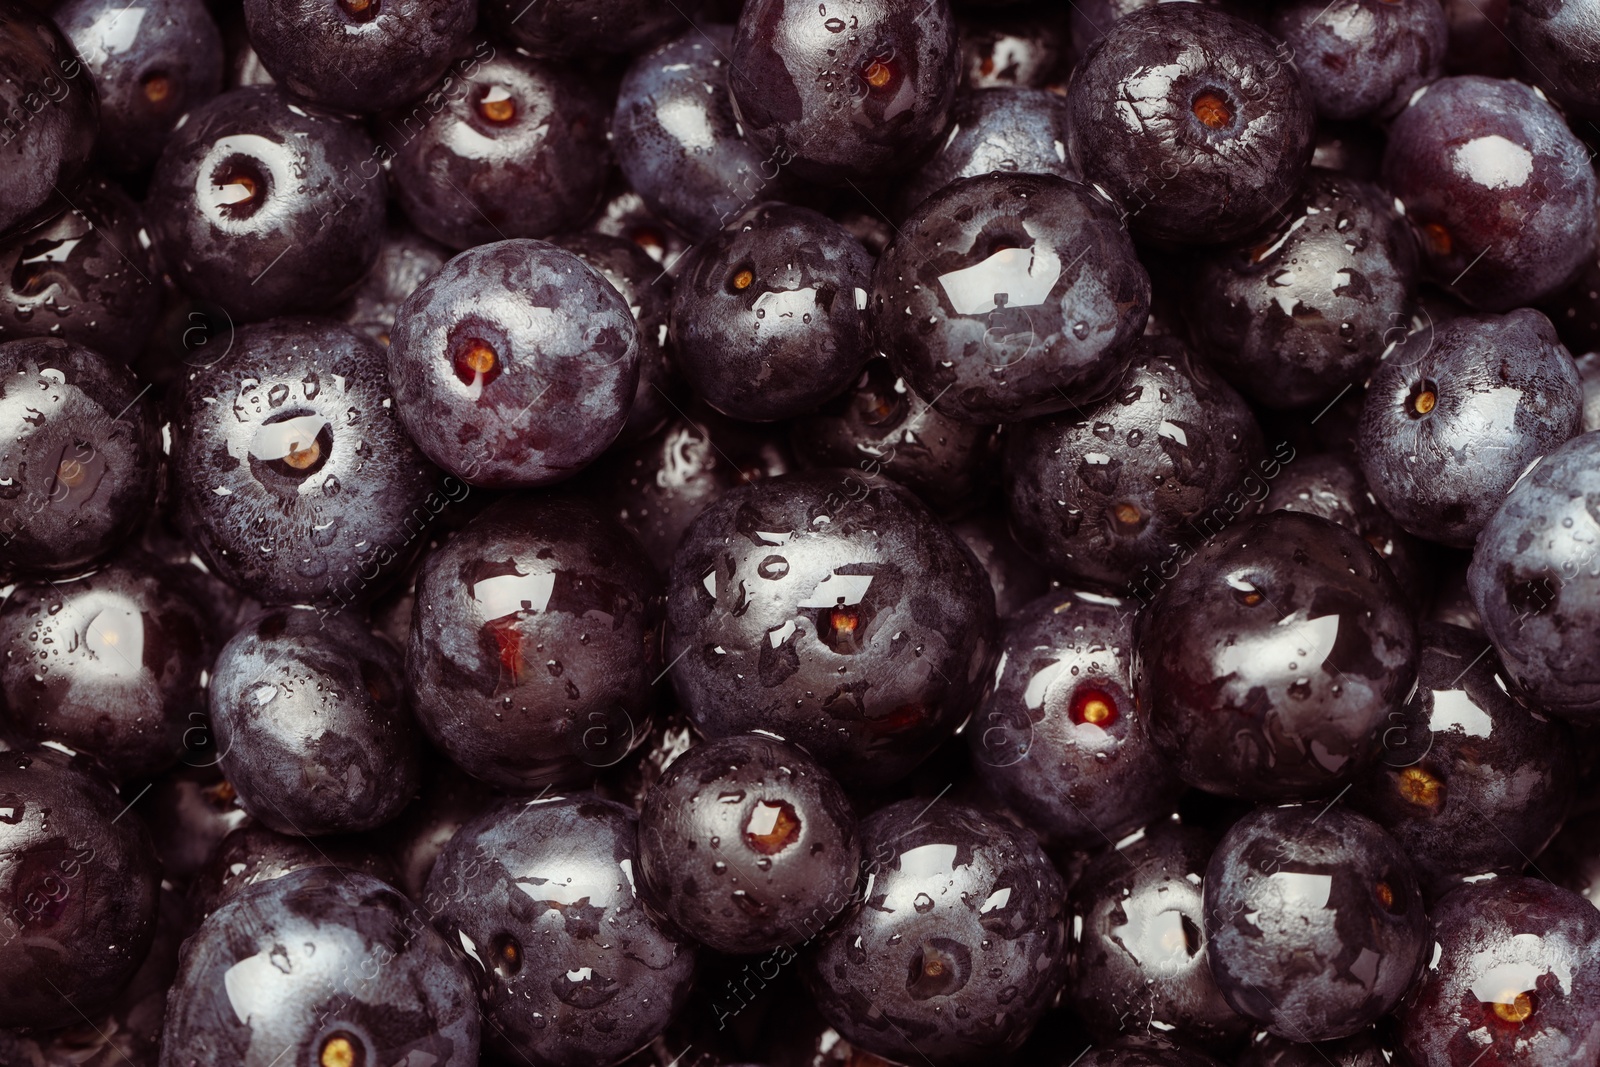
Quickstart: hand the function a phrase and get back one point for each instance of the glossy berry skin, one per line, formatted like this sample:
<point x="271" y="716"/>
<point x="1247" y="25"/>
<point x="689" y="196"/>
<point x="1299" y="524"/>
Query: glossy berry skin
<point x="958" y="912"/>
<point x="564" y="29"/>
<point x="1471" y="782"/>
<point x="534" y="643"/>
<point x="128" y="1031"/>
<point x="853" y="92"/>
<point x="834" y="610"/>
<point x="638" y="280"/>
<point x="769" y="317"/>
<point x="79" y="457"/>
<point x="1273" y="659"/>
<point x="1448" y="427"/>
<point x="511" y="148"/>
<point x="1558" y="45"/>
<point x="358" y="55"/>
<point x="80" y="886"/>
<point x="1363" y="58"/>
<point x="1140" y="964"/>
<point x="1515" y="978"/>
<point x="1535" y="585"/>
<point x="657" y="487"/>
<point x="331" y="966"/>
<point x="311" y="725"/>
<point x="52" y="113"/>
<point x="266" y="207"/>
<point x="295" y="481"/>
<point x="111" y="664"/>
<point x="1105" y="494"/>
<point x="1059" y="738"/>
<point x="1014" y="130"/>
<point x="1000" y="50"/>
<point x="882" y="426"/>
<point x="1499" y="190"/>
<point x="1362" y="1050"/>
<point x="677" y="139"/>
<point x="515" y="365"/>
<point x="1296" y="316"/>
<point x="149" y="74"/>
<point x="572" y="969"/>
<point x="1013" y="575"/>
<point x="1006" y="297"/>
<point x="406" y="259"/>
<point x="85" y="276"/>
<point x="1331" y="485"/>
<point x="1209" y="151"/>
<point x="748" y="845"/>
<point x="253" y="854"/>
<point x="1314" y="920"/>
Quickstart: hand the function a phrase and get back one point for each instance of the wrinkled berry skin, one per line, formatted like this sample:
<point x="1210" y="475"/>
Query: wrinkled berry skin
<point x="1294" y="317"/>
<point x="562" y="364"/>
<point x="853" y="92"/>
<point x="1104" y="495"/>
<point x="769" y="317"/>
<point x="1363" y="58"/>
<point x="678" y="142"/>
<point x="1558" y="44"/>
<point x="534" y="643"/>
<point x="955" y="948"/>
<point x="149" y="74"/>
<point x="1362" y="1050"/>
<point x="295" y="481"/>
<point x="1006" y="297"/>
<point x="319" y="957"/>
<point x="79" y="457"/>
<point x="1331" y="485"/>
<point x="1209" y="150"/>
<point x="1448" y="427"/>
<point x="748" y="845"/>
<point x="80" y="886"/>
<point x="1471" y="782"/>
<point x="266" y="207"/>
<point x="637" y="279"/>
<point x="467" y="176"/>
<point x="52" y="113"/>
<point x="1058" y="737"/>
<point x="1016" y="130"/>
<point x="572" y="970"/>
<point x="565" y="29"/>
<point x="1314" y="920"/>
<point x="310" y="723"/>
<point x="1140" y="963"/>
<point x="110" y="664"/>
<point x="374" y="58"/>
<point x="1500" y="192"/>
<point x="834" y="610"/>
<point x="1534" y="580"/>
<point x="1272" y="660"/>
<point x="84" y="277"/>
<point x="881" y="426"/>
<point x="1506" y="946"/>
